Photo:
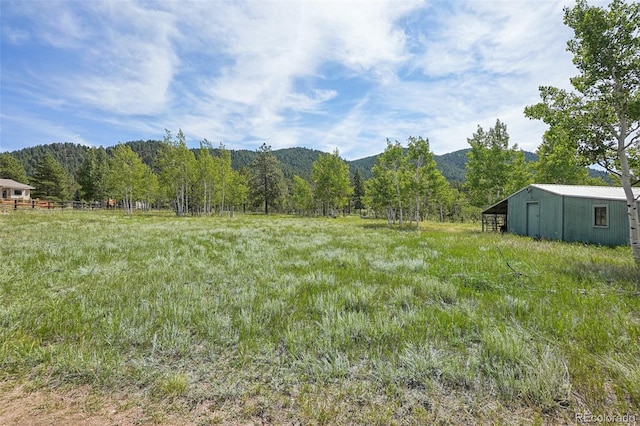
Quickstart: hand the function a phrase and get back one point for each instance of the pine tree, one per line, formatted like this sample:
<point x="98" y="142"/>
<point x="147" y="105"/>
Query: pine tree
<point x="358" y="191"/>
<point x="52" y="181"/>
<point x="11" y="168"/>
<point x="267" y="180"/>
<point x="93" y="175"/>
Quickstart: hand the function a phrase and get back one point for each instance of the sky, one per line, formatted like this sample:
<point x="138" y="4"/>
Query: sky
<point x="326" y="75"/>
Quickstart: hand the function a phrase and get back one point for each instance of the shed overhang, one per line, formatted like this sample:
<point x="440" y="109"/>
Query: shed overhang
<point x="501" y="207"/>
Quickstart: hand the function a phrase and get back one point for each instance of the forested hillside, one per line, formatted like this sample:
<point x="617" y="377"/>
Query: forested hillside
<point x="294" y="161"/>
<point x="68" y="154"/>
<point x="71" y="155"/>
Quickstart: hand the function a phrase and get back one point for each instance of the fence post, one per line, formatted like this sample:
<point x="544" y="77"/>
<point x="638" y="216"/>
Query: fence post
<point x="33" y="204"/>
<point x="15" y="204"/>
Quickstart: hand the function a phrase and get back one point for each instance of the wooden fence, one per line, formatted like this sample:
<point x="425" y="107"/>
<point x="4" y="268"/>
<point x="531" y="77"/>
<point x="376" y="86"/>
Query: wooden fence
<point x="6" y="205"/>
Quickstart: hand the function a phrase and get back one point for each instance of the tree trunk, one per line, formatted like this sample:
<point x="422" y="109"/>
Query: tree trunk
<point x="399" y="202"/>
<point x="266" y="195"/>
<point x="204" y="199"/>
<point x="178" y="202"/>
<point x="632" y="205"/>
<point x="128" y="201"/>
<point x="399" y="199"/>
<point x="186" y="197"/>
<point x="222" y="202"/>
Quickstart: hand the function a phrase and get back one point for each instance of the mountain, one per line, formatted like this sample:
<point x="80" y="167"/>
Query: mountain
<point x="451" y="165"/>
<point x="364" y="165"/>
<point x="70" y="155"/>
<point x="294" y="161"/>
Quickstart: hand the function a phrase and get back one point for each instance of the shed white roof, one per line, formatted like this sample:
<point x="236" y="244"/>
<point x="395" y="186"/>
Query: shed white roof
<point x="10" y="183"/>
<point x="599" y="192"/>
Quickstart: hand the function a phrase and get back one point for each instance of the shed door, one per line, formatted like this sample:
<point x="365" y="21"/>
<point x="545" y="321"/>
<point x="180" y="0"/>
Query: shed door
<point x="533" y="219"/>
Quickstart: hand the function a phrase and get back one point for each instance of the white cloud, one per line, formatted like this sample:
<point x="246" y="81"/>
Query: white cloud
<point x="275" y="44"/>
<point x="52" y="23"/>
<point x="15" y="35"/>
<point x="114" y="56"/>
<point x="320" y="74"/>
<point x="131" y="66"/>
<point x="482" y="61"/>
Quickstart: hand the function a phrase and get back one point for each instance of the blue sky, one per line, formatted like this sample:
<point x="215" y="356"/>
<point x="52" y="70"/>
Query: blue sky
<point x="318" y="74"/>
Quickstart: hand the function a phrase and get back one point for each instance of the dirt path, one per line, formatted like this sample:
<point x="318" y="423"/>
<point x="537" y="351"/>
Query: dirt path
<point x="22" y="407"/>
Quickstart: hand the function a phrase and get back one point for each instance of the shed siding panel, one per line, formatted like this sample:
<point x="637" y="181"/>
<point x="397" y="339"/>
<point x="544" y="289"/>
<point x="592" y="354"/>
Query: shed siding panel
<point x="550" y="208"/>
<point x="517" y="214"/>
<point x="579" y="223"/>
<point x="550" y="215"/>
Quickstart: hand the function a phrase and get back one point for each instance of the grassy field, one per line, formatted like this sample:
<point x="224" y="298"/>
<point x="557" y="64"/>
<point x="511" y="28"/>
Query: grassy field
<point x="291" y="320"/>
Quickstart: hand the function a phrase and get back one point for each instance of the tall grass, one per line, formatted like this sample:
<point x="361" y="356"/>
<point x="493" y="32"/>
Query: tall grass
<point x="319" y="321"/>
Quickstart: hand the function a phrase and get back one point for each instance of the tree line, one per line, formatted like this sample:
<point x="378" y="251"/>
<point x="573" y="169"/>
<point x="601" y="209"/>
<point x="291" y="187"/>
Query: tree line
<point x="405" y="184"/>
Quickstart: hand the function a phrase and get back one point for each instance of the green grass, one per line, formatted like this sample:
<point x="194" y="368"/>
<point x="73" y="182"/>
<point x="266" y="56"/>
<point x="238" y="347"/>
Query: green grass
<point x="318" y="321"/>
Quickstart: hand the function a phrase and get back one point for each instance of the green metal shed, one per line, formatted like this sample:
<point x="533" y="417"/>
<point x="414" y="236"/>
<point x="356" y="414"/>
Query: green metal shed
<point x="589" y="214"/>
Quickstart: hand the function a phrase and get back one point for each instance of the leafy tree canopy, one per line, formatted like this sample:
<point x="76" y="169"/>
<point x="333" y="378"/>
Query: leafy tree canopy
<point x="494" y="169"/>
<point x="330" y="176"/>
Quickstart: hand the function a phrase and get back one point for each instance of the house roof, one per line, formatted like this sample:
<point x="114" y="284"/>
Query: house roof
<point x="575" y="191"/>
<point x="579" y="191"/>
<point x="10" y="183"/>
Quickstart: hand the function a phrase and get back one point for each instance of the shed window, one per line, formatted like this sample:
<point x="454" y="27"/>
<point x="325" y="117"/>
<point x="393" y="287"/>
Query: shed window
<point x="17" y="192"/>
<point x="600" y="216"/>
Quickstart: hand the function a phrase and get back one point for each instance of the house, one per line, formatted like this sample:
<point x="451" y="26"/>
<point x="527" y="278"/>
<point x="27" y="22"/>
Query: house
<point x="12" y="190"/>
<point x="588" y="214"/>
